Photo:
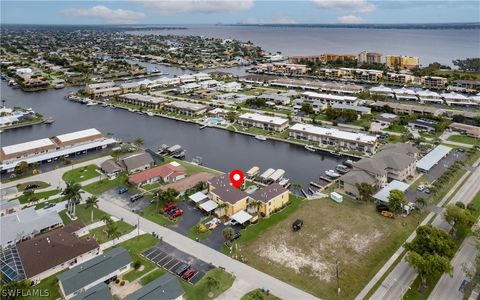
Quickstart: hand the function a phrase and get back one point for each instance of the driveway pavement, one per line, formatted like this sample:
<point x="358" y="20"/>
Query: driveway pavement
<point x="123" y="200"/>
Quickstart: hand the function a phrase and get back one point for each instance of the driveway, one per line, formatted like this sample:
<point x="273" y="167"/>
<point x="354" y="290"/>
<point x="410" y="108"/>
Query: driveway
<point x="123" y="200"/>
<point x="191" y="217"/>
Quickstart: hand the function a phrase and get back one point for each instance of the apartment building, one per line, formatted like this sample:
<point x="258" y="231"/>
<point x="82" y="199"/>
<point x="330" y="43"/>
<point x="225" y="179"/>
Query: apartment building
<point x="263" y="121"/>
<point x="147" y="101"/>
<point x="185" y="108"/>
<point x="282" y="68"/>
<point x="320" y="100"/>
<point x="401" y="78"/>
<point x="402" y="62"/>
<point x="332" y="137"/>
<point x="104" y="89"/>
<point x="434" y="82"/>
<point x="366" y="57"/>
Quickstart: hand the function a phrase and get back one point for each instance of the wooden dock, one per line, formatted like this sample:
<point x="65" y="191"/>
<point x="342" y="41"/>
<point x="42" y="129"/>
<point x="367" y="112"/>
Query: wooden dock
<point x="316" y="184"/>
<point x="326" y="179"/>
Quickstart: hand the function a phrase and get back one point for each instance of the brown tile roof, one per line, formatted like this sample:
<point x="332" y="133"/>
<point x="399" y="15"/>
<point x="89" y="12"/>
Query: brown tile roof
<point x="268" y="192"/>
<point x="53" y="248"/>
<point x="225" y="191"/>
<point x="162" y="171"/>
<point x="189" y="182"/>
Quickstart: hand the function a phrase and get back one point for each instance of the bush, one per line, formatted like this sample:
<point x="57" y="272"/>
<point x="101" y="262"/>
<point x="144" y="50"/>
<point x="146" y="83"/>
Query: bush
<point x="122" y="283"/>
<point x="137" y="264"/>
<point x="460" y="204"/>
<point x="117" y="281"/>
<point x="471" y="207"/>
<point x="201" y="228"/>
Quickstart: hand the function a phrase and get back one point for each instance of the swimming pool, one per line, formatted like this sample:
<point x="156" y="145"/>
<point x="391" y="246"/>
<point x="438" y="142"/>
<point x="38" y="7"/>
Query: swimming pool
<point x="216" y="121"/>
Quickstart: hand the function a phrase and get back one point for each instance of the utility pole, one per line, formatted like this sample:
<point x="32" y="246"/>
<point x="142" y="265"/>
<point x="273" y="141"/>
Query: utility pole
<point x="138" y="227"/>
<point x="337" y="270"/>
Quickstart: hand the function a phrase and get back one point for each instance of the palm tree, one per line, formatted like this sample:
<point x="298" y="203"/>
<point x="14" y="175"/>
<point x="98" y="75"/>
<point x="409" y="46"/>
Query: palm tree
<point x="228" y="234"/>
<point x="255" y="205"/>
<point x="107" y="219"/>
<point x="91" y="203"/>
<point x="211" y="283"/>
<point x="221" y="207"/>
<point x="365" y="191"/>
<point x="138" y="142"/>
<point x="421" y="201"/>
<point x="73" y="195"/>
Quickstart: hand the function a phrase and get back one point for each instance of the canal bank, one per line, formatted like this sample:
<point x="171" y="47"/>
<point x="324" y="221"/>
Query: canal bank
<point x="220" y="149"/>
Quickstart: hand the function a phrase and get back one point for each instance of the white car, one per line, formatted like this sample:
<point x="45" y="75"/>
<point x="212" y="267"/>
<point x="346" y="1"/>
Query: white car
<point x="420" y="188"/>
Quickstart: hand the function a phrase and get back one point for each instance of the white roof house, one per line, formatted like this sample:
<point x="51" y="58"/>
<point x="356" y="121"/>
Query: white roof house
<point x="429" y="96"/>
<point x="102" y="85"/>
<point x="405" y="94"/>
<point x="335" y="133"/>
<point x="186" y="78"/>
<point x="27" y="146"/>
<point x="329" y="97"/>
<point x="456" y="99"/>
<point x="432" y="158"/>
<point x="209" y="205"/>
<point x="263" y="118"/>
<point x="381" y="90"/>
<point x="383" y="194"/>
<point x="241" y="217"/>
<point x="231" y="87"/>
<point x="68" y="137"/>
<point x="202" y="76"/>
<point x="198" y="197"/>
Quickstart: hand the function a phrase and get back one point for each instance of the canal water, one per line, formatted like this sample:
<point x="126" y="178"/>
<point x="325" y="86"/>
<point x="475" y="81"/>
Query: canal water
<point x="220" y="149"/>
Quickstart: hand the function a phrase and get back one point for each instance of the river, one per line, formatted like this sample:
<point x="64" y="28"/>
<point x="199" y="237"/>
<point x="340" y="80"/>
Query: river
<point x="220" y="149"/>
<point x="440" y="45"/>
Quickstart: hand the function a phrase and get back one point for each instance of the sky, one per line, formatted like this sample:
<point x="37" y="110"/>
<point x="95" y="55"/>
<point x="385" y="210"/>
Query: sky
<point x="237" y="11"/>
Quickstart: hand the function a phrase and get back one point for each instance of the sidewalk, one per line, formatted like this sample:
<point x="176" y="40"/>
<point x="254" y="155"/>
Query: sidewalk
<point x="121" y="239"/>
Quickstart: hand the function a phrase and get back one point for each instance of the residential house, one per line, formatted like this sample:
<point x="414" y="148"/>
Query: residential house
<point x="465" y="129"/>
<point x="147" y="101"/>
<point x="271" y="198"/>
<point x="56" y="250"/>
<point x="98" y="292"/>
<point x="428" y="96"/>
<point x="405" y="94"/>
<point x="408" y="109"/>
<point x="319" y="100"/>
<point x="423" y="124"/>
<point x="382" y="91"/>
<point x="230" y="199"/>
<point x="230" y="87"/>
<point x="134" y="162"/>
<point x="104" y="268"/>
<point x="166" y="173"/>
<point x="164" y="287"/>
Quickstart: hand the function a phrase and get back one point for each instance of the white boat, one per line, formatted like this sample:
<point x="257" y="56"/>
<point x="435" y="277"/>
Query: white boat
<point x="342" y="169"/>
<point x="261" y="137"/>
<point x="150" y="114"/>
<point x="91" y="103"/>
<point x="284" y="181"/>
<point x="310" y="148"/>
<point x="348" y="163"/>
<point x="332" y="173"/>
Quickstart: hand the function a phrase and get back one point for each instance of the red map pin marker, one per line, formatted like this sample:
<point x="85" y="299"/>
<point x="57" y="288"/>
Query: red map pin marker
<point x="236" y="178"/>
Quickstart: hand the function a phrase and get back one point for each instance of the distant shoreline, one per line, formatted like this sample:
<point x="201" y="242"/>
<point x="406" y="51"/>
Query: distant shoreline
<point x="427" y="26"/>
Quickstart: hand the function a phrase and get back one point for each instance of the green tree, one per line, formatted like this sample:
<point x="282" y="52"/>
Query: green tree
<point x="432" y="240"/>
<point x="21" y="168"/>
<point x="428" y="265"/>
<point x="211" y="283"/>
<point x="306" y="108"/>
<point x="458" y="217"/>
<point x="421" y="201"/>
<point x="29" y="195"/>
<point x="397" y="201"/>
<point x="91" y="203"/>
<point x="231" y="116"/>
<point x="73" y="195"/>
<point x="138" y="142"/>
<point x="366" y="191"/>
<point x="10" y="290"/>
<point x="167" y="196"/>
<point x="228" y="234"/>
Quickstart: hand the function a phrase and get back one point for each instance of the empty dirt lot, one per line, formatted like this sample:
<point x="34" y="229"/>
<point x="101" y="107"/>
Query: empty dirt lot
<point x="352" y="233"/>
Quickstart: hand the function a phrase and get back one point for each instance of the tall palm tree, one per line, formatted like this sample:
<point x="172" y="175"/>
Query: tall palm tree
<point x="91" y="203"/>
<point x="138" y="142"/>
<point x="113" y="231"/>
<point x="73" y="195"/>
<point x="221" y="207"/>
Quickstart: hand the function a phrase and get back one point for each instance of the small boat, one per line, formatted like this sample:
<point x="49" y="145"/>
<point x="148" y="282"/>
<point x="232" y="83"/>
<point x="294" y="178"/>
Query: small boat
<point x="111" y="106"/>
<point x="342" y="169"/>
<point x="140" y="112"/>
<point x="180" y="154"/>
<point x="332" y="173"/>
<point x="131" y="110"/>
<point x="284" y="181"/>
<point x="163" y="148"/>
<point x="49" y="120"/>
<point x="261" y="137"/>
<point x="337" y="154"/>
<point x="310" y="148"/>
<point x="197" y="160"/>
<point x="104" y="105"/>
<point x="202" y="126"/>
<point x="150" y="114"/>
<point x="91" y="103"/>
<point x="348" y="163"/>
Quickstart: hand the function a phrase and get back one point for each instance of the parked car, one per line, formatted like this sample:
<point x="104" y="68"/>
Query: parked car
<point x="177" y="213"/>
<point x="122" y="190"/>
<point x="136" y="197"/>
<point x="169" y="206"/>
<point x="297" y="225"/>
<point x="236" y="235"/>
<point x="420" y="188"/>
<point x="180" y="269"/>
<point x="171" y="211"/>
<point x="50" y="205"/>
<point x="382" y="207"/>
<point x="460" y="150"/>
<point x="427" y="191"/>
<point x="31" y="186"/>
<point x="189" y="273"/>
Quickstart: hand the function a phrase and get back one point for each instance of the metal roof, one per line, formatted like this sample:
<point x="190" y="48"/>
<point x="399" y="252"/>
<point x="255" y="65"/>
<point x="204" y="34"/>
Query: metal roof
<point x="241" y="217"/>
<point x="27" y="146"/>
<point x="383" y="194"/>
<point x="209" y="205"/>
<point x="164" y="287"/>
<point x="197" y="197"/>
<point x="433" y="157"/>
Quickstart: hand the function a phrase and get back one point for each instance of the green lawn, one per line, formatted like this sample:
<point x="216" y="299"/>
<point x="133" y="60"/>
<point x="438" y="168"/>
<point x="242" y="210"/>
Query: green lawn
<point x="259" y="294"/>
<point x="49" y="284"/>
<point x="200" y="290"/>
<point x="396" y="128"/>
<point x="191" y="169"/>
<point x="101" y="236"/>
<point x="136" y="246"/>
<point x="81" y="174"/>
<point x="464" y="139"/>
<point x="152" y="276"/>
<point x="41" y="184"/>
<point x="104" y="185"/>
<point x="84" y="214"/>
<point x="39" y="196"/>
<point x="194" y="235"/>
<point x="151" y="213"/>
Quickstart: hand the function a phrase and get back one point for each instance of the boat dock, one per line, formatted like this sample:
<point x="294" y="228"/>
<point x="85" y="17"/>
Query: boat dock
<point x="315" y="184"/>
<point x="326" y="179"/>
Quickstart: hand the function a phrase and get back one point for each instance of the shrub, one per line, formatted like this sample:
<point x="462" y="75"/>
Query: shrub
<point x="122" y="283"/>
<point x="471" y="207"/>
<point x="117" y="281"/>
<point x="201" y="228"/>
<point x="137" y="264"/>
<point x="460" y="204"/>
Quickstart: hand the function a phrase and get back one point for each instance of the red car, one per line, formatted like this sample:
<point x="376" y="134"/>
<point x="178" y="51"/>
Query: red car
<point x="177" y="213"/>
<point x="189" y="273"/>
<point x="169" y="206"/>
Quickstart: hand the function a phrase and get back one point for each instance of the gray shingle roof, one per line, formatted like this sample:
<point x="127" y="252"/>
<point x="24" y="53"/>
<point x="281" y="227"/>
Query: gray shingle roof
<point x="97" y="292"/>
<point x="165" y="287"/>
<point x="136" y="160"/>
<point x="358" y="176"/>
<point x="94" y="269"/>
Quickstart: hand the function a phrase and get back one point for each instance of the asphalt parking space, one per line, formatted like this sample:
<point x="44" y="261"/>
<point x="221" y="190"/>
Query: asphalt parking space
<point x="123" y="200"/>
<point x="191" y="217"/>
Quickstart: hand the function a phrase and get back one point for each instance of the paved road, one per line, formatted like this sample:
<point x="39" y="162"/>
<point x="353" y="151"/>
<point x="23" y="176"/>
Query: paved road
<point x="243" y="273"/>
<point x="447" y="287"/>
<point x="402" y="276"/>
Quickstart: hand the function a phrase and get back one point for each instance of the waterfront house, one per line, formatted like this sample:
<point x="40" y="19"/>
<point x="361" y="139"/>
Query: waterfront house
<point x="186" y="78"/>
<point x="134" y="162"/>
<point x="56" y="250"/>
<point x="103" y="89"/>
<point x="202" y="76"/>
<point x="218" y="112"/>
<point x="165" y="287"/>
<point x="332" y="137"/>
<point x="110" y="168"/>
<point x="229" y="199"/>
<point x="282" y="68"/>
<point x="186" y="108"/>
<point x="382" y="91"/>
<point x="147" y="101"/>
<point x="428" y="96"/>
<point x="167" y="173"/>
<point x="263" y="121"/>
<point x="104" y="268"/>
<point x="130" y="87"/>
<point x="25" y="224"/>
<point x="271" y="198"/>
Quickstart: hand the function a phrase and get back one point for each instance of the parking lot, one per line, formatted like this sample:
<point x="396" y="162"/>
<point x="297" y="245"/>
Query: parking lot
<point x="123" y="200"/>
<point x="172" y="259"/>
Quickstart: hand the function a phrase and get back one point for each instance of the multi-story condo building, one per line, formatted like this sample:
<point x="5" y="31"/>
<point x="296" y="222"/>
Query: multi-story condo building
<point x="323" y="58"/>
<point x="402" y="62"/>
<point x="146" y="101"/>
<point x="365" y="57"/>
<point x="263" y="121"/>
<point x="401" y="78"/>
<point x="282" y="68"/>
<point x="186" y="108"/>
<point x="320" y="99"/>
<point x="335" y="138"/>
<point x="434" y="82"/>
<point x="427" y="96"/>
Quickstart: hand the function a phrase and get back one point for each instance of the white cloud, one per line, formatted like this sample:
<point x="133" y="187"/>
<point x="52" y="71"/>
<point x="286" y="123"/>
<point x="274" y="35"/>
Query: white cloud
<point x="350" y="19"/>
<point x="349" y="5"/>
<point x="107" y="15"/>
<point x="275" y="20"/>
<point x="165" y="7"/>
